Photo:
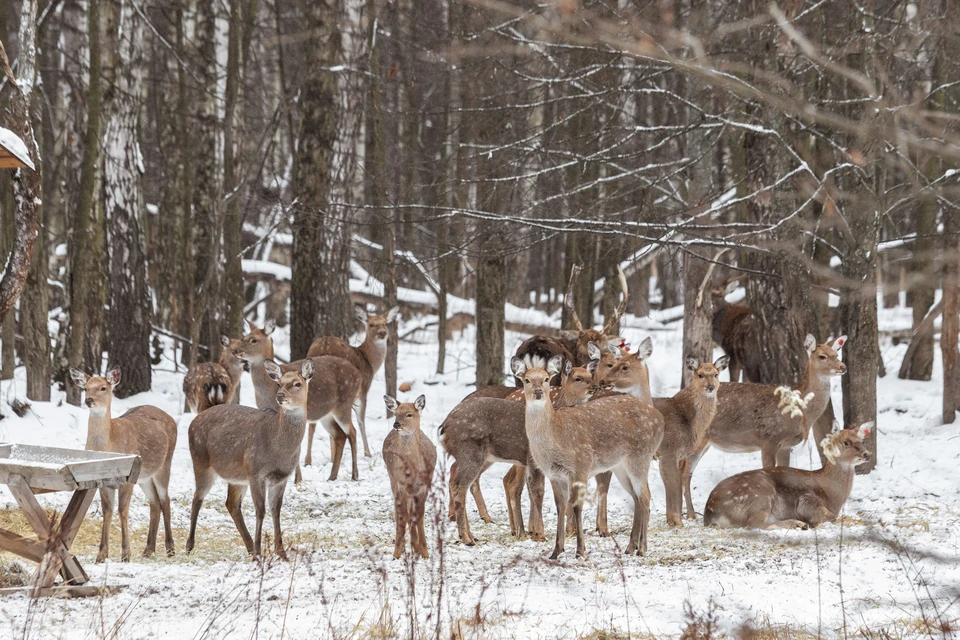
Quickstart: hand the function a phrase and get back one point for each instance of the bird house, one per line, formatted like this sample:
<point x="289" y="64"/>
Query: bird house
<point x="13" y="152"/>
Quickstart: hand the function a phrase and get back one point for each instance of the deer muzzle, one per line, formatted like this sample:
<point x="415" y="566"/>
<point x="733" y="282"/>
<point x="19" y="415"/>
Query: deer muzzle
<point x="842" y="369"/>
<point x="538" y="394"/>
<point x="396" y="425"/>
<point x="89" y="402"/>
<point x="281" y="397"/>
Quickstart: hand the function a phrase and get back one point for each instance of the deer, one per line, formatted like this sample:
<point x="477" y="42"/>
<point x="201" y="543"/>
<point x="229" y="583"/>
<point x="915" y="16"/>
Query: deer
<point x="367" y="358"/>
<point x="733" y="330"/>
<point x="333" y="389"/>
<point x="474" y="437"/>
<point x="252" y="448"/>
<point x="145" y="431"/>
<point x="483" y="430"/>
<point x="616" y="433"/>
<point x="751" y="417"/>
<point x="573" y="345"/>
<point x="788" y="498"/>
<point x="410" y="459"/>
<point x="212" y="383"/>
<point x="687" y="417"/>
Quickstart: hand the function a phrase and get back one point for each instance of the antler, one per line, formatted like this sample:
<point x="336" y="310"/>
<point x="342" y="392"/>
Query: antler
<point x="618" y="312"/>
<point x="574" y="272"/>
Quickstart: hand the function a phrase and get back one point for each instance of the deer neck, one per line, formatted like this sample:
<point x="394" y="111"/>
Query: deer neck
<point x="538" y="421"/>
<point x="698" y="410"/>
<point x="374" y="351"/>
<point x="408" y="445"/>
<point x="836" y="480"/>
<point x="819" y="386"/>
<point x="293" y="424"/>
<point x="565" y="397"/>
<point x="98" y="428"/>
<point x="264" y="387"/>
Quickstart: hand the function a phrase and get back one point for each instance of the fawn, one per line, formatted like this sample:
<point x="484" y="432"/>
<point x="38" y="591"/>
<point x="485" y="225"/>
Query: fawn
<point x="617" y="432"/>
<point x="367" y="358"/>
<point x="482" y="430"/>
<point x="410" y="459"/>
<point x="750" y="417"/>
<point x="787" y="498"/>
<point x="255" y="448"/>
<point x="145" y="431"/>
<point x="333" y="389"/>
<point x="211" y="383"/>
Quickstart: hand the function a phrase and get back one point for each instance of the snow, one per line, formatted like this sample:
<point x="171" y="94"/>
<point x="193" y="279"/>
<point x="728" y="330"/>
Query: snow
<point x="13" y="144"/>
<point x="893" y="557"/>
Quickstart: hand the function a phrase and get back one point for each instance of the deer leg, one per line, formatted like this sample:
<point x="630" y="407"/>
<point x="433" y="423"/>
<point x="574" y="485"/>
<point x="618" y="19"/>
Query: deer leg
<point x="536" y="487"/>
<point x="154" y="500"/>
<point x="258" y="492"/>
<point x="513" y="487"/>
<point x="422" y="534"/>
<point x="783" y="457"/>
<point x="107" y="497"/>
<point x="478" y="497"/>
<point x="812" y="511"/>
<point x="338" y="440"/>
<point x="636" y="485"/>
<point x="734" y="369"/>
<point x="401" y="522"/>
<point x="768" y="455"/>
<point x="160" y="483"/>
<point x="465" y="475"/>
<point x="123" y="507"/>
<point x="451" y="511"/>
<point x="362" y="421"/>
<point x="561" y="496"/>
<point x="311" y="430"/>
<point x="204" y="478"/>
<point x="603" y="486"/>
<point x="577" y="490"/>
<point x="275" y="498"/>
<point x="344" y="423"/>
<point x="689" y="465"/>
<point x="235" y="493"/>
<point x="673" y="487"/>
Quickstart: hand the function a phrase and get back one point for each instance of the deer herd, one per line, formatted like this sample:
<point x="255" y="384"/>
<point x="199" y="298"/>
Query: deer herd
<point x="580" y="408"/>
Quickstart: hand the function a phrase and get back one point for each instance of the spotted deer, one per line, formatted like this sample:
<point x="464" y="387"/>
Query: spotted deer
<point x="410" y="459"/>
<point x="252" y="448"/>
<point x="145" y="431"/>
<point x="367" y="358"/>
<point x="483" y="430"/>
<point x="787" y="498"/>
<point x="211" y="383"/>
<point x="750" y="416"/>
<point x="333" y="389"/>
<point x="616" y="433"/>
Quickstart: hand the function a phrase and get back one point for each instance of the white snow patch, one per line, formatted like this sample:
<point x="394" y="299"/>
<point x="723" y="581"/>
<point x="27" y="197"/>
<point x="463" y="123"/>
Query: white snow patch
<point x="15" y="145"/>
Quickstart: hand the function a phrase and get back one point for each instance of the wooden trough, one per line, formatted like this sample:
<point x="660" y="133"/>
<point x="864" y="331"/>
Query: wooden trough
<point x="28" y="470"/>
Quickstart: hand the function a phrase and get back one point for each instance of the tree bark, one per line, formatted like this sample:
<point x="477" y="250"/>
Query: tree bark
<point x="697" y="311"/>
<point x="951" y="315"/>
<point x="8" y="327"/>
<point x="922" y="284"/>
<point x="491" y="301"/>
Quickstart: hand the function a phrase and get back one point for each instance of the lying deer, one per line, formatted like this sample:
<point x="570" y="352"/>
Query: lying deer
<point x="145" y="431"/>
<point x="750" y="418"/>
<point x="477" y="434"/>
<point x="410" y="459"/>
<point x="616" y="433"/>
<point x="687" y="417"/>
<point x="367" y="358"/>
<point x="787" y="498"/>
<point x="733" y="330"/>
<point x="333" y="389"/>
<point x="211" y="383"/>
<point x="255" y="448"/>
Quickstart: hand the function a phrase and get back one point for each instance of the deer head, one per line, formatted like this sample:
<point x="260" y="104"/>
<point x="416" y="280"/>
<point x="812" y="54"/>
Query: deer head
<point x="584" y="336"/>
<point x="824" y="358"/>
<point x="536" y="382"/>
<point x="97" y="390"/>
<point x="294" y="385"/>
<point x="406" y="415"/>
<point x="845" y="447"/>
<point x="706" y="376"/>
<point x="256" y="345"/>
<point x="376" y="325"/>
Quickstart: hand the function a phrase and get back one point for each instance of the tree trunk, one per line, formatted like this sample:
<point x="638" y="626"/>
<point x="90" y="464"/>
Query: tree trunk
<point x="951" y="315"/>
<point x="319" y="292"/>
<point x="697" y="311"/>
<point x="491" y="301"/>
<point x="390" y="283"/>
<point x="8" y="328"/>
<point x="922" y="285"/>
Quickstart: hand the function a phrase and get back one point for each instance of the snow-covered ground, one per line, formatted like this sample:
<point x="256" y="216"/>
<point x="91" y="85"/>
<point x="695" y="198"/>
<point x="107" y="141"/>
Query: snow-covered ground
<point x="892" y="561"/>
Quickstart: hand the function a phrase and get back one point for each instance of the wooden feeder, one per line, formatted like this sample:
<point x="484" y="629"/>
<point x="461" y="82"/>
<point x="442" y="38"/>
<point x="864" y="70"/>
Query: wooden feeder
<point x="13" y="153"/>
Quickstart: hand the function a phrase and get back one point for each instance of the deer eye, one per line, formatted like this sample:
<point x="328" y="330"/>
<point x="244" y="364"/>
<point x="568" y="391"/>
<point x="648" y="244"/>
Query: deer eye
<point x="103" y="388"/>
<point x="254" y="341"/>
<point x="409" y="415"/>
<point x="298" y="385"/>
<point x="700" y="375"/>
<point x="846" y="444"/>
<point x="823" y="357"/>
<point x="526" y="381"/>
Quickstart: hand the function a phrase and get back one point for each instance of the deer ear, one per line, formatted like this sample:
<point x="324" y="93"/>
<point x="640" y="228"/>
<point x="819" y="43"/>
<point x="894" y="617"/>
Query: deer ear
<point x="569" y="335"/>
<point x="592" y="366"/>
<point x="306" y="369"/>
<point x="691" y="363"/>
<point x="272" y="369"/>
<point x="224" y="340"/>
<point x="270" y="325"/>
<point x="839" y="342"/>
<point x="810" y="343"/>
<point x="420" y="403"/>
<point x="79" y="377"/>
<point x="113" y="376"/>
<point x="391" y="404"/>
<point x="722" y="363"/>
<point x="392" y="314"/>
<point x="645" y="348"/>
<point x="593" y="351"/>
<point x="361" y="313"/>
<point x="518" y="366"/>
<point x="865" y="429"/>
<point x="554" y="365"/>
<point x="567" y="368"/>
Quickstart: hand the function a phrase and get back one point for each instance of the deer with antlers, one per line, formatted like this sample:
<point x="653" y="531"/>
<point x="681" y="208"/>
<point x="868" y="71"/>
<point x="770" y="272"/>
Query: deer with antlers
<point x="788" y="498"/>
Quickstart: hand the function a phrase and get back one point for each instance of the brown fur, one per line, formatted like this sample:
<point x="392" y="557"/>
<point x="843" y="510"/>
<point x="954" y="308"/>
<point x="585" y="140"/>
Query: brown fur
<point x="410" y="459"/>
<point x="212" y="383"/>
<point x="251" y="448"/>
<point x="145" y="431"/>
<point x="787" y="498"/>
<point x="367" y="358"/>
<point x="733" y="330"/>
